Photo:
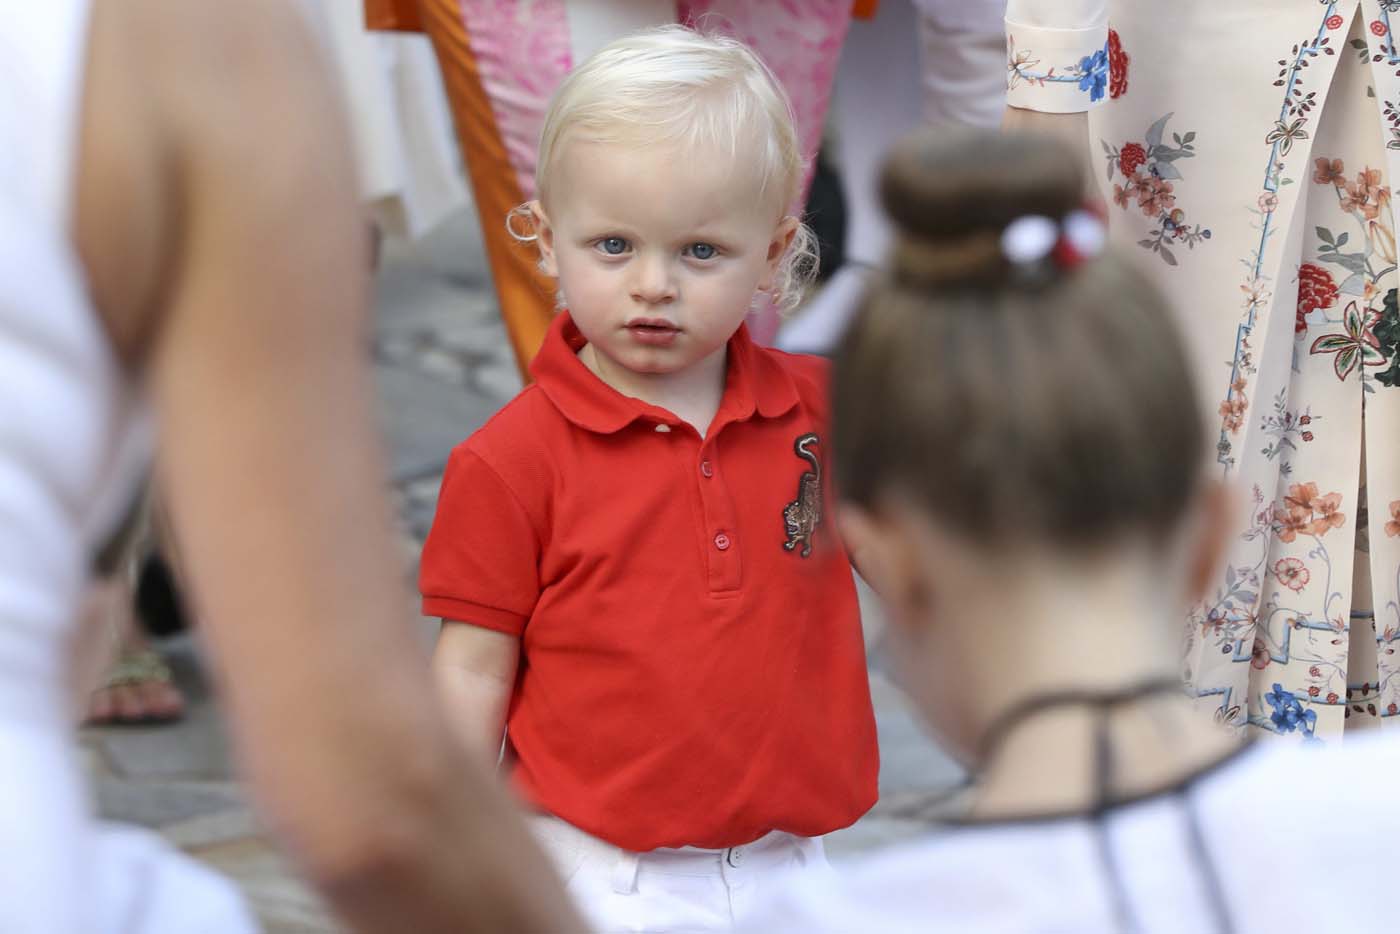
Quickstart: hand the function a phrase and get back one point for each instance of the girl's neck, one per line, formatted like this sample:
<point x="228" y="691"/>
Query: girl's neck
<point x="1097" y="627"/>
<point x="693" y="394"/>
<point x="1050" y="763"/>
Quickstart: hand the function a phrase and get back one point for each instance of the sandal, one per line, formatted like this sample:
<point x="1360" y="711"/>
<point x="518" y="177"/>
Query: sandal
<point x="129" y="692"/>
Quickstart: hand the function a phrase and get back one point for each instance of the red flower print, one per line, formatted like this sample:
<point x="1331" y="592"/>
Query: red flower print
<point x="1315" y="671"/>
<point x="1131" y="157"/>
<point x="1366" y="194"/>
<point x="1333" y="22"/>
<point x="1307" y="436"/>
<point x="1292" y="574"/>
<point x="1155" y="196"/>
<point x="1393" y="709"/>
<point x="1291" y="522"/>
<point x="1332" y="697"/>
<point x="1378" y="28"/>
<point x="1300" y="496"/>
<point x="1316" y="289"/>
<point x="1329" y="172"/>
<point x="1232" y="413"/>
<point x="1117" y="67"/>
<point x="1121" y="195"/>
<point x="1328" y="517"/>
<point x="1259" y="657"/>
<point x="1392" y="528"/>
<point x="1305" y="420"/>
<point x="1314" y="691"/>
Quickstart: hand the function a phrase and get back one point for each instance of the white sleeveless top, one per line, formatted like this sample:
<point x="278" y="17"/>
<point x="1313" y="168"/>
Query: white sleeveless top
<point x="67" y="418"/>
<point x="72" y="447"/>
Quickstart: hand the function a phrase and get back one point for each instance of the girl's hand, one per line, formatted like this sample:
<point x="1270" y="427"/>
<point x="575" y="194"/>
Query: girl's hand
<point x="1071" y="128"/>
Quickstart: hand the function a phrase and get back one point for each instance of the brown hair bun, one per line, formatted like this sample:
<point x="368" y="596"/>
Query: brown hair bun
<point x="950" y="212"/>
<point x="1060" y="412"/>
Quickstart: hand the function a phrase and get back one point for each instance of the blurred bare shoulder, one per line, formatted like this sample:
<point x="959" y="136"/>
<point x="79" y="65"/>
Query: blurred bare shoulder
<point x="189" y="106"/>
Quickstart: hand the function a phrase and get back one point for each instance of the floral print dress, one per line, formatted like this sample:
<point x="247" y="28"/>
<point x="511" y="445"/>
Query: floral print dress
<point x="1246" y="153"/>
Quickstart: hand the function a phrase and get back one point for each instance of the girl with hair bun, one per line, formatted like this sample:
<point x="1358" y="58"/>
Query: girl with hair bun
<point x="1020" y="453"/>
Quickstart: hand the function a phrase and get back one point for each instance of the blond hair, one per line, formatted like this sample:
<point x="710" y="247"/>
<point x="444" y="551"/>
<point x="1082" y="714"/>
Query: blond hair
<point x="673" y="85"/>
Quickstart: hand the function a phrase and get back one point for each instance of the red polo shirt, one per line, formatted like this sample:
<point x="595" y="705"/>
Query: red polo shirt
<point x="692" y="672"/>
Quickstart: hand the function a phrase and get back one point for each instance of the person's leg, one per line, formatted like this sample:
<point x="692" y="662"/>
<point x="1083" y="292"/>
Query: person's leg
<point x="135" y="686"/>
<point x="879" y="55"/>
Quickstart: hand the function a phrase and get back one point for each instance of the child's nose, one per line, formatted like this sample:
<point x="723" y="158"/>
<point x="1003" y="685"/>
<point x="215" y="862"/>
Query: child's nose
<point x="652" y="281"/>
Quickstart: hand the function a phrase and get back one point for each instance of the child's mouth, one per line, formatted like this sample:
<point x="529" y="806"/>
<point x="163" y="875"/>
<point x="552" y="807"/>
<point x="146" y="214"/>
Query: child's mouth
<point x="653" y="332"/>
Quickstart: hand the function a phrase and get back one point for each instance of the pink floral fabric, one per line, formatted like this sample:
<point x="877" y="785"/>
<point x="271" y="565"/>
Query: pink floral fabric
<point x="523" y="53"/>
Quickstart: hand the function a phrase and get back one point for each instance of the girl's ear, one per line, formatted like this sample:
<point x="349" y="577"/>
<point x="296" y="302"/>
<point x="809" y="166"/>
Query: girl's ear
<point x="782" y="239"/>
<point x="544" y="239"/>
<point x="891" y="556"/>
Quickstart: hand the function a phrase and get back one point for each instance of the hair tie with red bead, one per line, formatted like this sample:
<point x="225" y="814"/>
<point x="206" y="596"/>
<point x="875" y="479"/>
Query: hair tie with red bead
<point x="1068" y="243"/>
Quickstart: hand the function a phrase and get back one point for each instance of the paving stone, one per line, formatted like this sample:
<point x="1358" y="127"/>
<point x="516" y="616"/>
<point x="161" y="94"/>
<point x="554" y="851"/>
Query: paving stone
<point x="910" y="762"/>
<point x="425" y="418"/>
<point x="158" y="803"/>
<point x="417" y="306"/>
<point x="283" y="903"/>
<point x="210" y="830"/>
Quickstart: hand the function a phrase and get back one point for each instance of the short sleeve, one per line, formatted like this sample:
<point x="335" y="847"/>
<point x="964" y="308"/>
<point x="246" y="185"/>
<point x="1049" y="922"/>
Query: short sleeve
<point x="1057" y="54"/>
<point x="480" y="562"/>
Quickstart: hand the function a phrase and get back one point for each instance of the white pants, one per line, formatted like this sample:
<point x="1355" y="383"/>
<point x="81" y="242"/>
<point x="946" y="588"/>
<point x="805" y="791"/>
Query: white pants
<point x="960" y="56"/>
<point x="672" y="890"/>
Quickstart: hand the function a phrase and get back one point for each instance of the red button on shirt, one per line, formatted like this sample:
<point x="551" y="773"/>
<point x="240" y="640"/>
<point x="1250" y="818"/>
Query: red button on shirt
<point x="679" y="685"/>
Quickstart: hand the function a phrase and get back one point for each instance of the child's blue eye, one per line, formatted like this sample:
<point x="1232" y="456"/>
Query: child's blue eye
<point x="613" y="246"/>
<point x="702" y="250"/>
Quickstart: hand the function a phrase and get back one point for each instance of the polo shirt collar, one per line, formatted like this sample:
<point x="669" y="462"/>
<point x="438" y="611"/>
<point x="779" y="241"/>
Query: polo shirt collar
<point x="754" y="383"/>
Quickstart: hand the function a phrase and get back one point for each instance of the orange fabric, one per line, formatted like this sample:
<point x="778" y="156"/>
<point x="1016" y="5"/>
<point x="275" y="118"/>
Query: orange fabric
<point x="526" y="296"/>
<point x="864" y="9"/>
<point x="400" y="15"/>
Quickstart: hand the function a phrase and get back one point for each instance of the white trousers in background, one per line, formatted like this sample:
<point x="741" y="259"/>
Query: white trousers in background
<point x="668" y="891"/>
<point x="930" y="61"/>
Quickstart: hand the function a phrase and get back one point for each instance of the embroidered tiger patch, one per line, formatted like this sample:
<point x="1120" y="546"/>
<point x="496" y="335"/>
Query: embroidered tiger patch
<point x="802" y="516"/>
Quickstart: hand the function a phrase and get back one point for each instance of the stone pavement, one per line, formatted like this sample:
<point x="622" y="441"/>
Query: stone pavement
<point x="443" y="367"/>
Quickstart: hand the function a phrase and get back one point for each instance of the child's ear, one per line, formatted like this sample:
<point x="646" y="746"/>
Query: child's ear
<point x="544" y="239"/>
<point x="782" y="239"/>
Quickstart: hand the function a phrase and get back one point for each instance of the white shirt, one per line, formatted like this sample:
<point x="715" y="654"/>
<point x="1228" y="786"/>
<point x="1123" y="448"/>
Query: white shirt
<point x="69" y="458"/>
<point x="1291" y="845"/>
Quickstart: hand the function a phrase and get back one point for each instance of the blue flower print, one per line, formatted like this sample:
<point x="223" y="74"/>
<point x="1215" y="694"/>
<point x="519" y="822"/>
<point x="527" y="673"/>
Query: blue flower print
<point x="1093" y="74"/>
<point x="1289" y="714"/>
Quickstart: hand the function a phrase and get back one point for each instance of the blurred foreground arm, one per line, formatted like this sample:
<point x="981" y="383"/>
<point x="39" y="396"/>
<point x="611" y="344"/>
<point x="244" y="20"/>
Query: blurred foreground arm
<point x="253" y="328"/>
